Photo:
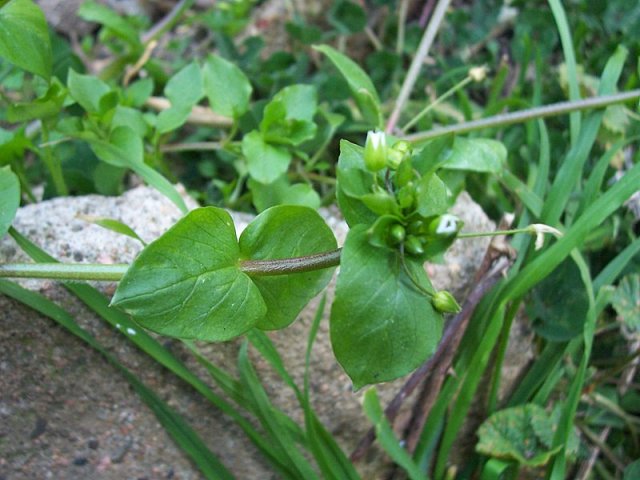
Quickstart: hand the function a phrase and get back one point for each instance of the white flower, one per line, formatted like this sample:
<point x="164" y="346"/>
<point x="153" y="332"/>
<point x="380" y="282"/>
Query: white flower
<point x="478" y="74"/>
<point x="539" y="229"/>
<point x="448" y="224"/>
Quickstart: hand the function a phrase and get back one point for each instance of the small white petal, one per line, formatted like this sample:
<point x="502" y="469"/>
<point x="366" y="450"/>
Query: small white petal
<point x="448" y="224"/>
<point x="131" y="331"/>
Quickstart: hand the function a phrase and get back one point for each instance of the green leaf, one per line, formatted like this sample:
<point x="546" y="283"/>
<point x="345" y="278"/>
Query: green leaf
<point x="139" y="92"/>
<point x="286" y="232"/>
<point x="226" y="87"/>
<point x="9" y="198"/>
<point x="432" y="196"/>
<point x="125" y="149"/>
<point x="632" y="470"/>
<point x="113" y="225"/>
<point x="24" y="37"/>
<point x="130" y="117"/>
<point x="354" y="181"/>
<point x="281" y="192"/>
<point x="94" y="12"/>
<point x="47" y="105"/>
<point x="477" y="155"/>
<point x="288" y="117"/>
<point x="188" y="284"/>
<point x="184" y="90"/>
<point x="347" y="17"/>
<point x="382" y="326"/>
<point x="523" y="433"/>
<point x="433" y="154"/>
<point x="359" y="82"/>
<point x="626" y="301"/>
<point x="265" y="162"/>
<point x="386" y="437"/>
<point x="87" y="90"/>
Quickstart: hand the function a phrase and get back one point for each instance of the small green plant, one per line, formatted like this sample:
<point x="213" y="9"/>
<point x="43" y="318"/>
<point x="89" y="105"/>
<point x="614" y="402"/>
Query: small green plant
<point x="394" y="188"/>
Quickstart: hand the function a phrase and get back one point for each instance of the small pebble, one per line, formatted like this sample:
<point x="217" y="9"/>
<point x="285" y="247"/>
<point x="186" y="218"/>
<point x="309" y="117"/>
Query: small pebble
<point x="39" y="428"/>
<point x="93" y="444"/>
<point x="80" y="461"/>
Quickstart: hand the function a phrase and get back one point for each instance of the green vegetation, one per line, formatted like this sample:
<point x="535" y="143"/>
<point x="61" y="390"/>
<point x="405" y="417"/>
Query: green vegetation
<point x="390" y="115"/>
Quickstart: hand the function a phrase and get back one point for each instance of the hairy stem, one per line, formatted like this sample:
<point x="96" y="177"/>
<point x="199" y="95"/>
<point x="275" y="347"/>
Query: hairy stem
<point x="504" y="119"/>
<point x="114" y="272"/>
<point x="285" y="266"/>
<point x="65" y="271"/>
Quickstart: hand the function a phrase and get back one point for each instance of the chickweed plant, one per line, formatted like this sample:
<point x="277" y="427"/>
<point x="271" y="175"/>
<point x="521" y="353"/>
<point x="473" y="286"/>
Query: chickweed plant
<point x="284" y="135"/>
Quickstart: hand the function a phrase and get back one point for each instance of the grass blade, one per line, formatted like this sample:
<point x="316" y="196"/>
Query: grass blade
<point x="570" y="60"/>
<point x="271" y="418"/>
<point x="386" y="437"/>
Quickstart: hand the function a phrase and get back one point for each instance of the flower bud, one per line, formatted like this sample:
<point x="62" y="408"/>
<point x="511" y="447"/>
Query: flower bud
<point x="397" y="233"/>
<point x="375" y="151"/>
<point x="413" y="245"/>
<point x="397" y="154"/>
<point x="444" y="302"/>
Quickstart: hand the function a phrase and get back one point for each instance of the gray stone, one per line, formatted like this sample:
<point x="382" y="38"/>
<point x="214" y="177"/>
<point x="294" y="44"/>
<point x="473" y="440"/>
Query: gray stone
<point x="50" y="383"/>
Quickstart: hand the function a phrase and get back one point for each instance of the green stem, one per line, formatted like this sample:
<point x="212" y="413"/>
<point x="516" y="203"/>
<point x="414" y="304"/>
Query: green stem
<point x="417" y="62"/>
<point x="435" y="103"/>
<point x="504" y="119"/>
<point x="495" y="233"/>
<point x="109" y="273"/>
<point x="167" y="22"/>
<point x="55" y="170"/>
<point x="64" y="271"/>
<point x="286" y="266"/>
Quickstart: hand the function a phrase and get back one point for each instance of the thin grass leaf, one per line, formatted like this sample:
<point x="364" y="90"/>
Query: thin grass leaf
<point x="186" y="438"/>
<point x="550" y="356"/>
<point x="233" y="388"/>
<point x="331" y="460"/>
<point x="565" y="423"/>
<point x="386" y="437"/>
<point x="529" y="199"/>
<point x="472" y="378"/>
<point x="594" y="182"/>
<point x="570" y="60"/>
<point x="271" y="418"/>
<point x="614" y="268"/>
<point x="570" y="172"/>
<point x="113" y="225"/>
<point x="604" y="206"/>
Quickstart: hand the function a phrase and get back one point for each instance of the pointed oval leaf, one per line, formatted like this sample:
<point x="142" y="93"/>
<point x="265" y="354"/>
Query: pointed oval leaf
<point x="382" y="326"/>
<point x="87" y="90"/>
<point x="361" y="86"/>
<point x="265" y="162"/>
<point x="432" y="196"/>
<point x="476" y="155"/>
<point x="24" y="37"/>
<point x="287" y="231"/>
<point x="226" y="87"/>
<point x="9" y="198"/>
<point x="187" y="283"/>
